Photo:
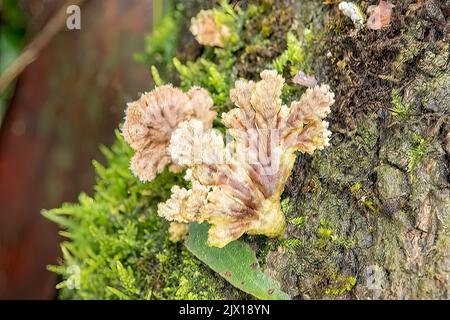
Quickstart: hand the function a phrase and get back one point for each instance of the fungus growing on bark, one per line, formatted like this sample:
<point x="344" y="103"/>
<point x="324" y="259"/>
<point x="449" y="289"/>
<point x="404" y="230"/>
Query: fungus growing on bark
<point x="178" y="231"/>
<point x="151" y="120"/>
<point x="237" y="187"/>
<point x="353" y="11"/>
<point x="380" y="15"/>
<point x="207" y="30"/>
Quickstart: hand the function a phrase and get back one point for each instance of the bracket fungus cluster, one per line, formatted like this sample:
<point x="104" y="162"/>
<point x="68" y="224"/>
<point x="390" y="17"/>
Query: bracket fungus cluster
<point x="151" y="120"/>
<point x="208" y="30"/>
<point x="235" y="186"/>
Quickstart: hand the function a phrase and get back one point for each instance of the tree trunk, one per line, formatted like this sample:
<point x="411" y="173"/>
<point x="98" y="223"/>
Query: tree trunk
<point x="375" y="205"/>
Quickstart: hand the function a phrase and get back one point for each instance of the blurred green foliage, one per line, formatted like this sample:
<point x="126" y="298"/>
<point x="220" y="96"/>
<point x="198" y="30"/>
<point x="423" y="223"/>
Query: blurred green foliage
<point x="161" y="45"/>
<point x="12" y="41"/>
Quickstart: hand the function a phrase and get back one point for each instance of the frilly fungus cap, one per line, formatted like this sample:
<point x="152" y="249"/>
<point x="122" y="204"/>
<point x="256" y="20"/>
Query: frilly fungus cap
<point x="151" y="120"/>
<point x="237" y="188"/>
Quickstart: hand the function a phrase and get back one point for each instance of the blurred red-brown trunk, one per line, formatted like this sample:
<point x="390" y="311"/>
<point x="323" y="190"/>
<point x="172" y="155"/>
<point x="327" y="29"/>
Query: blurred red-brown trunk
<point x="67" y="102"/>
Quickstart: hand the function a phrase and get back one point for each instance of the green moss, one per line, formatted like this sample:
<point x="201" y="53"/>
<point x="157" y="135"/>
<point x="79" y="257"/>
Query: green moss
<point x="161" y="44"/>
<point x="285" y="205"/>
<point x="214" y="68"/>
<point x="399" y="108"/>
<point x="292" y="56"/>
<point x="340" y="285"/>
<point x="417" y="152"/>
<point x="297" y="57"/>
<point x="325" y="231"/>
<point x="327" y="235"/>
<point x="357" y="149"/>
<point x="156" y="77"/>
<point x="119" y="244"/>
<point x="370" y="204"/>
<point x="356" y="187"/>
<point x="216" y="78"/>
<point x="298" y="221"/>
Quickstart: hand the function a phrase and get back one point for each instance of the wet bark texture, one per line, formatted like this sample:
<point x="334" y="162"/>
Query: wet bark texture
<point x="375" y="206"/>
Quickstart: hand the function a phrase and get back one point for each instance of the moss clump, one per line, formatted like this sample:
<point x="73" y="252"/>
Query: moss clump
<point x="340" y="285"/>
<point x="290" y="244"/>
<point x="417" y="152"/>
<point x="162" y="44"/>
<point x="215" y="77"/>
<point x="295" y="57"/>
<point x="357" y="149"/>
<point x="212" y="68"/>
<point x="298" y="221"/>
<point x="399" y="108"/>
<point x="119" y="244"/>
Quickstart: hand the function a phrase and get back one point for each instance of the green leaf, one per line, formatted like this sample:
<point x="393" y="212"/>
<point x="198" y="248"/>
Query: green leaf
<point x="236" y="263"/>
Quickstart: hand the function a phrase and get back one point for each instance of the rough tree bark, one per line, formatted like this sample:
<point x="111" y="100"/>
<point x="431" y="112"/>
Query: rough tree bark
<point x="376" y="203"/>
<point x="374" y="207"/>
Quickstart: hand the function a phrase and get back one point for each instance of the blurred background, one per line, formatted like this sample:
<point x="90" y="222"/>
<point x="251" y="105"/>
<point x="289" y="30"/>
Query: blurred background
<point x="63" y="97"/>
